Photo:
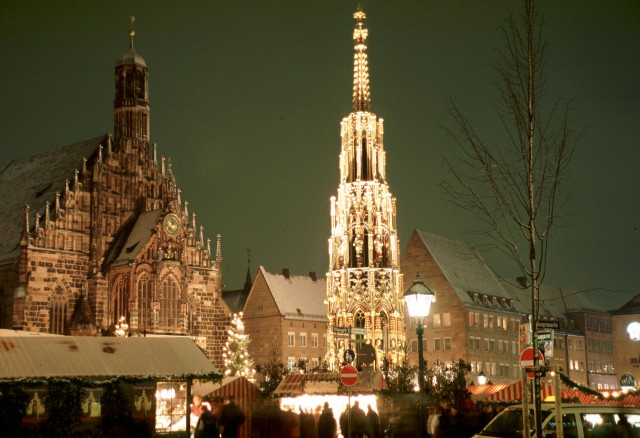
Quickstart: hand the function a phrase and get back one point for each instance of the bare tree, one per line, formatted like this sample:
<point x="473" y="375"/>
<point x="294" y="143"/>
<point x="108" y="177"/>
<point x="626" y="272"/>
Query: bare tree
<point x="513" y="185"/>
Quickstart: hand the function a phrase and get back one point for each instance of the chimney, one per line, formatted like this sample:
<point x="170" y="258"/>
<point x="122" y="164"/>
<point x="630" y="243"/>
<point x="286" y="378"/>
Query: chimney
<point x="312" y="275"/>
<point x="285" y="272"/>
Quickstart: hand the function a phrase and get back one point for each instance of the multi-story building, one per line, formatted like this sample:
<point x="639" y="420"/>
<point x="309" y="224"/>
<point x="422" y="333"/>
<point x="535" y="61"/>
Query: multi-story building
<point x="364" y="283"/>
<point x="286" y="317"/>
<point x="97" y="231"/>
<point x="625" y="327"/>
<point x="473" y="318"/>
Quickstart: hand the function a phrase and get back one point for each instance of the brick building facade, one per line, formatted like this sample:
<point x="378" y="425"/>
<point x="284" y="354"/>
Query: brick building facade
<point x="97" y="231"/>
<point x="286" y="317"/>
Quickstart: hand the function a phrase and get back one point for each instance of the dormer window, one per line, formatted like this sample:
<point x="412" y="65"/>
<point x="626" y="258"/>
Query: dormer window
<point x="495" y="301"/>
<point x="475" y="297"/>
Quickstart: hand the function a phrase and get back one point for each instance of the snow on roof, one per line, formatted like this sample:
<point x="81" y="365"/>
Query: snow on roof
<point x="100" y="357"/>
<point x="139" y="236"/>
<point x="34" y="181"/>
<point x="298" y="297"/>
<point x="463" y="267"/>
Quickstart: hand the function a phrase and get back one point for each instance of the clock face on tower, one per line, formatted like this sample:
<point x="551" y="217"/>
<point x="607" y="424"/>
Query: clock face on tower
<point x="171" y="224"/>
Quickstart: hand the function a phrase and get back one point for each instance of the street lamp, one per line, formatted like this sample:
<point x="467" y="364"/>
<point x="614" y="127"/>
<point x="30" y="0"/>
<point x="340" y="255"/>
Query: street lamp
<point x="482" y="378"/>
<point x="419" y="298"/>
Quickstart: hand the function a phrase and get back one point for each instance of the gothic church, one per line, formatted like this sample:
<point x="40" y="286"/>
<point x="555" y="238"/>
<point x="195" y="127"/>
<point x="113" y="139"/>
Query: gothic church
<point x="96" y="233"/>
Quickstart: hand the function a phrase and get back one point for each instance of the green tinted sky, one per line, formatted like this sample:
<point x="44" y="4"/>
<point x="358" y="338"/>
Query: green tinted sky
<point x="247" y="97"/>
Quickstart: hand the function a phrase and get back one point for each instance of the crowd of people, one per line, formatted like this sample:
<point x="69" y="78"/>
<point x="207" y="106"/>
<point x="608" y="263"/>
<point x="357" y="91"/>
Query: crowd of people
<point x="209" y="421"/>
<point x="269" y="421"/>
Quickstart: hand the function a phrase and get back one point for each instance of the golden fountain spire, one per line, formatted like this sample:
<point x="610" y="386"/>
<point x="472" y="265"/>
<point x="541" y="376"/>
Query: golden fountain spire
<point x="361" y="94"/>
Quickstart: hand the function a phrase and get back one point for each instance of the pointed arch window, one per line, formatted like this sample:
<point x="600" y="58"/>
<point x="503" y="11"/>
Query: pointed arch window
<point x="58" y="311"/>
<point x="144" y="302"/>
<point x="120" y="301"/>
<point x="170" y="304"/>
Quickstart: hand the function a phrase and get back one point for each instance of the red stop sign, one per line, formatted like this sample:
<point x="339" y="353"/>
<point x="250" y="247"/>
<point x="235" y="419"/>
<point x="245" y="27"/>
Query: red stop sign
<point x="526" y="359"/>
<point x="348" y="375"/>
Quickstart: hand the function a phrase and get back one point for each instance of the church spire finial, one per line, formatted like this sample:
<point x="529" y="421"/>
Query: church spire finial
<point x="132" y="32"/>
<point x="361" y="93"/>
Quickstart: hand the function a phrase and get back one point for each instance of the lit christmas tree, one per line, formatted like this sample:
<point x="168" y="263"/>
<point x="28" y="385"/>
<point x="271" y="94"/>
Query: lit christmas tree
<point x="235" y="351"/>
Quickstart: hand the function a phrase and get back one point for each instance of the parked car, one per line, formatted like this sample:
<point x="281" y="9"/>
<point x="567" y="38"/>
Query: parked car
<point x="578" y="421"/>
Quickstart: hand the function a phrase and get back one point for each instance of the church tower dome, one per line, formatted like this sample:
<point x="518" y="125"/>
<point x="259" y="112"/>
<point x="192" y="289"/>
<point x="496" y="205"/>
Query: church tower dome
<point x="364" y="283"/>
<point x="131" y="105"/>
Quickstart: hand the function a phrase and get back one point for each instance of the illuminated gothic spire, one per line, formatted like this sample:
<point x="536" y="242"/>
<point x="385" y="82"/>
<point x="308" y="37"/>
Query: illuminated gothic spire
<point x="361" y="94"/>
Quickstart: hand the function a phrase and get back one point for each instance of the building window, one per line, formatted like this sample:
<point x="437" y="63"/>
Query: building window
<point x="170" y="305"/>
<point x="120" y="301"/>
<point x="514" y="347"/>
<point x="447" y="344"/>
<point x="476" y="319"/>
<point x="477" y="344"/>
<point x="303" y="339"/>
<point x="470" y="319"/>
<point x="324" y="341"/>
<point x="485" y="320"/>
<point x="446" y="319"/>
<point x="144" y="302"/>
<point x="291" y="339"/>
<point x="492" y="345"/>
<point x="437" y="344"/>
<point x="472" y="343"/>
<point x="58" y="312"/>
<point x="315" y="363"/>
<point x="314" y="340"/>
<point x="436" y="320"/>
<point x="291" y="363"/>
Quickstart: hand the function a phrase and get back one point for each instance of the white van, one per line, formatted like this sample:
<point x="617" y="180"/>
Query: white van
<point x="578" y="421"/>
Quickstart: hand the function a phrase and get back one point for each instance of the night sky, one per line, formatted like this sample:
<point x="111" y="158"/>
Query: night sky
<point x="247" y="97"/>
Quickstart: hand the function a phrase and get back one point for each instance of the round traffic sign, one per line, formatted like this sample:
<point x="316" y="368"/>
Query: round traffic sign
<point x="526" y="359"/>
<point x="348" y="375"/>
<point x="349" y="356"/>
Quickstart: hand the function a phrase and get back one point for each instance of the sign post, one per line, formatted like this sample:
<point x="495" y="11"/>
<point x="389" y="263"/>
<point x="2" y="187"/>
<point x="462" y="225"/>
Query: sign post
<point x="348" y="377"/>
<point x="526" y="360"/>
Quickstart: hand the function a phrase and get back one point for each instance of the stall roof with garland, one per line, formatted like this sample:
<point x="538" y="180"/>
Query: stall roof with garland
<point x="46" y="357"/>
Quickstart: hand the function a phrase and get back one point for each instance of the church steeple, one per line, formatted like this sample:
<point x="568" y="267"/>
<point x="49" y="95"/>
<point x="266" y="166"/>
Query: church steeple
<point x="361" y="93"/>
<point x="364" y="282"/>
<point x="131" y="105"/>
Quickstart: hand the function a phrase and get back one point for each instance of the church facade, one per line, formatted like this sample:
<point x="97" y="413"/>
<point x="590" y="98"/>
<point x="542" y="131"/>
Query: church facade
<point x="96" y="234"/>
<point x="364" y="283"/>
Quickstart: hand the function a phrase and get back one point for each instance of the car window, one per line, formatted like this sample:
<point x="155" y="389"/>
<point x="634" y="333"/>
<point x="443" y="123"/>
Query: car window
<point x="569" y="426"/>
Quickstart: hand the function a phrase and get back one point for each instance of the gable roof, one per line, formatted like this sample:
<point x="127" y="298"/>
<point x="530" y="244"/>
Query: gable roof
<point x="138" y="237"/>
<point x="297" y="296"/>
<point x="235" y="299"/>
<point x="463" y="267"/>
<point x="34" y="181"/>
<point x="100" y="357"/>
<point x="631" y="307"/>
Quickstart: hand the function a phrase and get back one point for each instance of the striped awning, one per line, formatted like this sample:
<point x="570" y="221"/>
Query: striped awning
<point x="628" y="400"/>
<point x="505" y="392"/>
<point x="327" y="383"/>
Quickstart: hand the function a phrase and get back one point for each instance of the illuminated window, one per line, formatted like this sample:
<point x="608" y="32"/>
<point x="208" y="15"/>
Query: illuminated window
<point x="436" y="320"/>
<point x="171" y="398"/>
<point x="144" y="302"/>
<point x="120" y="301"/>
<point x="446" y="319"/>
<point x="170" y="303"/>
<point x="291" y="363"/>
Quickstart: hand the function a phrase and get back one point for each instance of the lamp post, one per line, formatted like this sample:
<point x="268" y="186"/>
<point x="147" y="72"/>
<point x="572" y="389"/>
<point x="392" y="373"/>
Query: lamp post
<point x="419" y="298"/>
<point x="482" y="379"/>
